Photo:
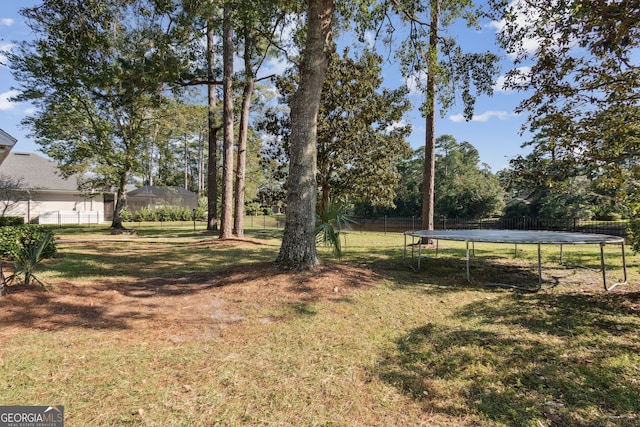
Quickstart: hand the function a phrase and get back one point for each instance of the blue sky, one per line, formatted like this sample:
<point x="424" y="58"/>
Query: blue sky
<point x="494" y="130"/>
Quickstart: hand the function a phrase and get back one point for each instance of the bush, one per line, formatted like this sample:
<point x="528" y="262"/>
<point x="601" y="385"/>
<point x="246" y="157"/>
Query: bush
<point x="146" y="214"/>
<point x="127" y="216"/>
<point x="11" y="221"/>
<point x="14" y="240"/>
<point x="165" y="213"/>
<point x="169" y="213"/>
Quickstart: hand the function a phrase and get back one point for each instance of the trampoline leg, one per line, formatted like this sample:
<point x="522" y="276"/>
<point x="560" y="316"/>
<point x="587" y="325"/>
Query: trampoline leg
<point x="404" y="254"/>
<point x="468" y="271"/>
<point x="539" y="269"/>
<point x="603" y="268"/>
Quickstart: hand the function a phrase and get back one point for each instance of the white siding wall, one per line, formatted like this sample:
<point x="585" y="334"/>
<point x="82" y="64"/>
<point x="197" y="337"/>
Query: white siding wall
<point x="56" y="202"/>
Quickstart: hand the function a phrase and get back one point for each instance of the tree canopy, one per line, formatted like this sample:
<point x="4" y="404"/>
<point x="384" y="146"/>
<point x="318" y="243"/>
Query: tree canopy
<point x="465" y="189"/>
<point x="582" y="83"/>
<point x="440" y="69"/>
<point x="95" y="72"/>
<point x="360" y="132"/>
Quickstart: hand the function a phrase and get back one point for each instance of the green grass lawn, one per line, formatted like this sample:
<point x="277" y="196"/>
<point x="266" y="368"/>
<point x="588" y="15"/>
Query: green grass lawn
<point x="420" y="348"/>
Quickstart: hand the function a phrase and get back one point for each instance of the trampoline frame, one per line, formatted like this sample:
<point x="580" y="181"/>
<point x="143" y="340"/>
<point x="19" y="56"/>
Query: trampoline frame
<point x="516" y="237"/>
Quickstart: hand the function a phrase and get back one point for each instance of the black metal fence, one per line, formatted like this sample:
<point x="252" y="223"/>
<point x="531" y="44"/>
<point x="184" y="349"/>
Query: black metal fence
<point x="399" y="224"/>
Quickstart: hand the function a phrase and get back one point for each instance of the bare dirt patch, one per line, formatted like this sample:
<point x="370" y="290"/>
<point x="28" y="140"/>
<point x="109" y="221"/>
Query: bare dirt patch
<point x="173" y="308"/>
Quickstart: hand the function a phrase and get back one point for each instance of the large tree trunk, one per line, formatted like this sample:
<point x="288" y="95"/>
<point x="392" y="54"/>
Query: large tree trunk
<point x="121" y="201"/>
<point x="298" y="249"/>
<point x="241" y="165"/>
<point x="226" y="216"/>
<point x="212" y="172"/>
<point x="186" y="162"/>
<point x="201" y="140"/>
<point x="428" y="185"/>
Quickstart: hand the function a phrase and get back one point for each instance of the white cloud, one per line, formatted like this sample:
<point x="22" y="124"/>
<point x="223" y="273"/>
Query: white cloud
<point x="275" y="66"/>
<point x="523" y="76"/>
<point x="416" y="82"/>
<point x="5" y="104"/>
<point x="497" y="26"/>
<point x="484" y="117"/>
<point x="396" y="125"/>
<point x="370" y="38"/>
<point x="525" y="14"/>
<point x="3" y="58"/>
<point x="6" y="22"/>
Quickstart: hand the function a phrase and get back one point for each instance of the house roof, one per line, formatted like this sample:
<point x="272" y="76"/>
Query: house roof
<point x="37" y="173"/>
<point x="6" y="144"/>
<point x="154" y="191"/>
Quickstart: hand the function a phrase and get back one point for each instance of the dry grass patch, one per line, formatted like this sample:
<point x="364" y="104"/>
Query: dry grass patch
<point x="158" y="305"/>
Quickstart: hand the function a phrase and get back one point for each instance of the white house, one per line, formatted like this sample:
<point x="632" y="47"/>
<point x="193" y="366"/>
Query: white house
<point x="43" y="194"/>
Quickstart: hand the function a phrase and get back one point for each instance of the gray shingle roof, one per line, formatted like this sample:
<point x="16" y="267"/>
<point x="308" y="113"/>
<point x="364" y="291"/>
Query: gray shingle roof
<point x="6" y="144"/>
<point x="153" y="191"/>
<point x="37" y="172"/>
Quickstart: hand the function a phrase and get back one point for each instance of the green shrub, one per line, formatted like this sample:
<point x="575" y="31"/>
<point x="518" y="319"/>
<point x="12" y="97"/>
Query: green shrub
<point x="183" y="213"/>
<point x="165" y="213"/>
<point x="146" y="214"/>
<point x="127" y="216"/>
<point x="169" y="213"/>
<point x="11" y="221"/>
<point x="14" y="240"/>
<point x="29" y="257"/>
<point x="252" y="208"/>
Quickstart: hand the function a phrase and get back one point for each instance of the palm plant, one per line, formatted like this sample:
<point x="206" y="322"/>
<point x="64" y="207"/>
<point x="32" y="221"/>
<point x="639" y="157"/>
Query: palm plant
<point x="3" y="282"/>
<point x="331" y="219"/>
<point x="28" y="258"/>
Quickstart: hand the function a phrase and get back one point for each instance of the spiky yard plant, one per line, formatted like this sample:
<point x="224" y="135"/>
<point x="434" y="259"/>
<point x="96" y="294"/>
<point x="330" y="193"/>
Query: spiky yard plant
<point x="28" y="258"/>
<point x="331" y="219"/>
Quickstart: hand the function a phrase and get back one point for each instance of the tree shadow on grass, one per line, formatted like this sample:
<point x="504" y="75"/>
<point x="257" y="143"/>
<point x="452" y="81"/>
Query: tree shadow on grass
<point x="138" y="299"/>
<point x="565" y="360"/>
<point x="447" y="272"/>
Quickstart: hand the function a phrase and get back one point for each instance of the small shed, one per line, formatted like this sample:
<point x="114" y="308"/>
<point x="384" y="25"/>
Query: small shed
<point x="151" y="196"/>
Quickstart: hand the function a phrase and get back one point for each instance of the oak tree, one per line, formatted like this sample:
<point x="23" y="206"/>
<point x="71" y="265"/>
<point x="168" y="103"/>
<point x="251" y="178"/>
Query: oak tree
<point x="298" y="248"/>
<point x="95" y="72"/>
<point x="361" y="136"/>
<point x="578" y="65"/>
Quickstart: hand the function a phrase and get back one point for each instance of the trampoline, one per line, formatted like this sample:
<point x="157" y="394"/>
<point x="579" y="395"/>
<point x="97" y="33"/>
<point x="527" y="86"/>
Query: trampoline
<point x="516" y="237"/>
